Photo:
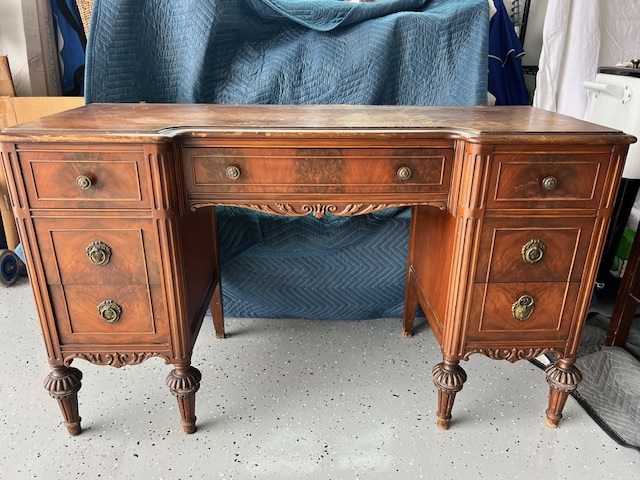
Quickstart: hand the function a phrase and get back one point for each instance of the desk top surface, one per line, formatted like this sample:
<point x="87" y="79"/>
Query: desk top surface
<point x="160" y="122"/>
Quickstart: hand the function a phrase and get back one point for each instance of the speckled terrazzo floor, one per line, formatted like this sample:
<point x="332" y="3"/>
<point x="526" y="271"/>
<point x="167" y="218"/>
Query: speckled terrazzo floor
<point x="292" y="399"/>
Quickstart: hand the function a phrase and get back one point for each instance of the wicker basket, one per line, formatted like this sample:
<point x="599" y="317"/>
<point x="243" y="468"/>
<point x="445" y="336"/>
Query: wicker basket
<point x="85" y="7"/>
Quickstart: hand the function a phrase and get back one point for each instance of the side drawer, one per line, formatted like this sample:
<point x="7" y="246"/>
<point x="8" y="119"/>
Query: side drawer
<point x="142" y="320"/>
<point x="85" y="179"/>
<point x="547" y="180"/>
<point x="97" y="251"/>
<point x="343" y="170"/>
<point x="491" y="317"/>
<point x="533" y="249"/>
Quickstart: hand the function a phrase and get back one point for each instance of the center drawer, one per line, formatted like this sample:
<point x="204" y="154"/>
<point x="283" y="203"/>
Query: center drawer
<point x="309" y="170"/>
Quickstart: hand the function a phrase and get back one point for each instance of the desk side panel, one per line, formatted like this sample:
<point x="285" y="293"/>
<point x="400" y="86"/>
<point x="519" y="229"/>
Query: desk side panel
<point x="431" y="260"/>
<point x="199" y="251"/>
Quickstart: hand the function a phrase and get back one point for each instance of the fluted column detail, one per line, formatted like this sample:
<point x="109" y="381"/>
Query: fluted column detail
<point x="563" y="378"/>
<point x="449" y="378"/>
<point x="184" y="382"/>
<point x="63" y="384"/>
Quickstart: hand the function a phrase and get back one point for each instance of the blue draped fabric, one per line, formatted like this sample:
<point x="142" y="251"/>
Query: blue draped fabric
<point x="412" y="52"/>
<point x="71" y="42"/>
<point x="506" y="80"/>
<point x="325" y="15"/>
<point x="214" y="51"/>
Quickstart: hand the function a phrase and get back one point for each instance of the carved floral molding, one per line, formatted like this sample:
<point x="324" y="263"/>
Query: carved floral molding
<point x="512" y="355"/>
<point x="317" y="210"/>
<point x="116" y="360"/>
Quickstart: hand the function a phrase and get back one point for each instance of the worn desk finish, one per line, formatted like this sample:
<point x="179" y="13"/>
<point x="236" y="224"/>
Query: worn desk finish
<point x="113" y="202"/>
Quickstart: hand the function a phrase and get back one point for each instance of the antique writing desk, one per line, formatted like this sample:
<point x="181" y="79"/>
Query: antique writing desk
<point x="114" y="208"/>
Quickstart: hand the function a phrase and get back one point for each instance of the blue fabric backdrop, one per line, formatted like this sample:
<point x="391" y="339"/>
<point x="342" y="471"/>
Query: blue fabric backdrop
<point x="416" y="52"/>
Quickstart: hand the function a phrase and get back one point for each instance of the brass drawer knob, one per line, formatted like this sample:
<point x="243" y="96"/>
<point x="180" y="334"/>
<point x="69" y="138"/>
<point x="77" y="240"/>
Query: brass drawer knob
<point x="533" y="250"/>
<point x="233" y="172"/>
<point x="110" y="311"/>
<point x="99" y="253"/>
<point x="549" y="183"/>
<point x="404" y="173"/>
<point x="83" y="182"/>
<point x="523" y="308"/>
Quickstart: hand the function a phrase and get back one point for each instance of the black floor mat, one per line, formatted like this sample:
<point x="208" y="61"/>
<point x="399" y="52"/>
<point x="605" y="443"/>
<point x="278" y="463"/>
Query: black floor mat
<point x="610" y="389"/>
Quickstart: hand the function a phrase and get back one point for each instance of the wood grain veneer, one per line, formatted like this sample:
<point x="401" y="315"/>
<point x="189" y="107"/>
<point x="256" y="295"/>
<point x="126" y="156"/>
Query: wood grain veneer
<point x="491" y="189"/>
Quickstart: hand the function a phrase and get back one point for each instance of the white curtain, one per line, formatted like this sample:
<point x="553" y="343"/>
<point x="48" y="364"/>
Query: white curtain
<point x="578" y="37"/>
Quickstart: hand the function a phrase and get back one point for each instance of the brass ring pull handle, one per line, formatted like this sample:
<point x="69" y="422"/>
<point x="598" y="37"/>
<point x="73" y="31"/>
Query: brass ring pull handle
<point x="99" y="253"/>
<point x="110" y="311"/>
<point x="83" y="182"/>
<point x="549" y="183"/>
<point x="523" y="308"/>
<point x="404" y="173"/>
<point x="533" y="250"/>
<point x="233" y="172"/>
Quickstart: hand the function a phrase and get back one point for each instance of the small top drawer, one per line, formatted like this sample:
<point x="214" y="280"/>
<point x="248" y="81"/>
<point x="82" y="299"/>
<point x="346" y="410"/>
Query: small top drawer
<point x="550" y="180"/>
<point x="84" y="179"/>
<point x="313" y="170"/>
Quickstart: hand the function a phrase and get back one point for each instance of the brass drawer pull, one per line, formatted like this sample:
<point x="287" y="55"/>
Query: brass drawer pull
<point x="99" y="253"/>
<point x="83" y="182"/>
<point x="233" y="172"/>
<point x="533" y="250"/>
<point x="549" y="183"/>
<point x="523" y="308"/>
<point x="110" y="311"/>
<point x="404" y="173"/>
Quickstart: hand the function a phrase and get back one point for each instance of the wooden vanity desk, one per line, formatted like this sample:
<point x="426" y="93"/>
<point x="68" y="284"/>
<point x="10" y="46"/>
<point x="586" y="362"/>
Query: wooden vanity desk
<point x="114" y="206"/>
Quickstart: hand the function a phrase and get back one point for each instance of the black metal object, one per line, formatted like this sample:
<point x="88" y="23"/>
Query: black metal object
<point x="3" y="236"/>
<point x="520" y="16"/>
<point x="622" y="71"/>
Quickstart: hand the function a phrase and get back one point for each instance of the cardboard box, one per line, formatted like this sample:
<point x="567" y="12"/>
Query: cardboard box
<point x="14" y="110"/>
<point x="6" y="83"/>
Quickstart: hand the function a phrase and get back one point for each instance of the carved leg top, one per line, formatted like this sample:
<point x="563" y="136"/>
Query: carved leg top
<point x="563" y="377"/>
<point x="184" y="381"/>
<point x="63" y="381"/>
<point x="447" y="376"/>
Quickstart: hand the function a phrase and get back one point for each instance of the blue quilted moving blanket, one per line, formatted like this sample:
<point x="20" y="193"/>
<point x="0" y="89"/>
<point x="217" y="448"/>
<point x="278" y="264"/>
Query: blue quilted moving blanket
<point x="412" y="52"/>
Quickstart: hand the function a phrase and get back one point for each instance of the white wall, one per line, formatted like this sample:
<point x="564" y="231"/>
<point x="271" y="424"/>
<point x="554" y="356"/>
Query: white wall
<point x="13" y="44"/>
<point x="533" y="37"/>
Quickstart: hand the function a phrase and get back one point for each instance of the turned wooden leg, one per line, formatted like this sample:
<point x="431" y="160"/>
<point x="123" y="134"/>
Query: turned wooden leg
<point x="63" y="384"/>
<point x="410" y="307"/>
<point x="563" y="378"/>
<point x="216" y="310"/>
<point x="184" y="382"/>
<point x="448" y="377"/>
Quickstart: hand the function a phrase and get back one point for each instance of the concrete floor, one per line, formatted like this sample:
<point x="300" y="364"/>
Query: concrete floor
<point x="292" y="399"/>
